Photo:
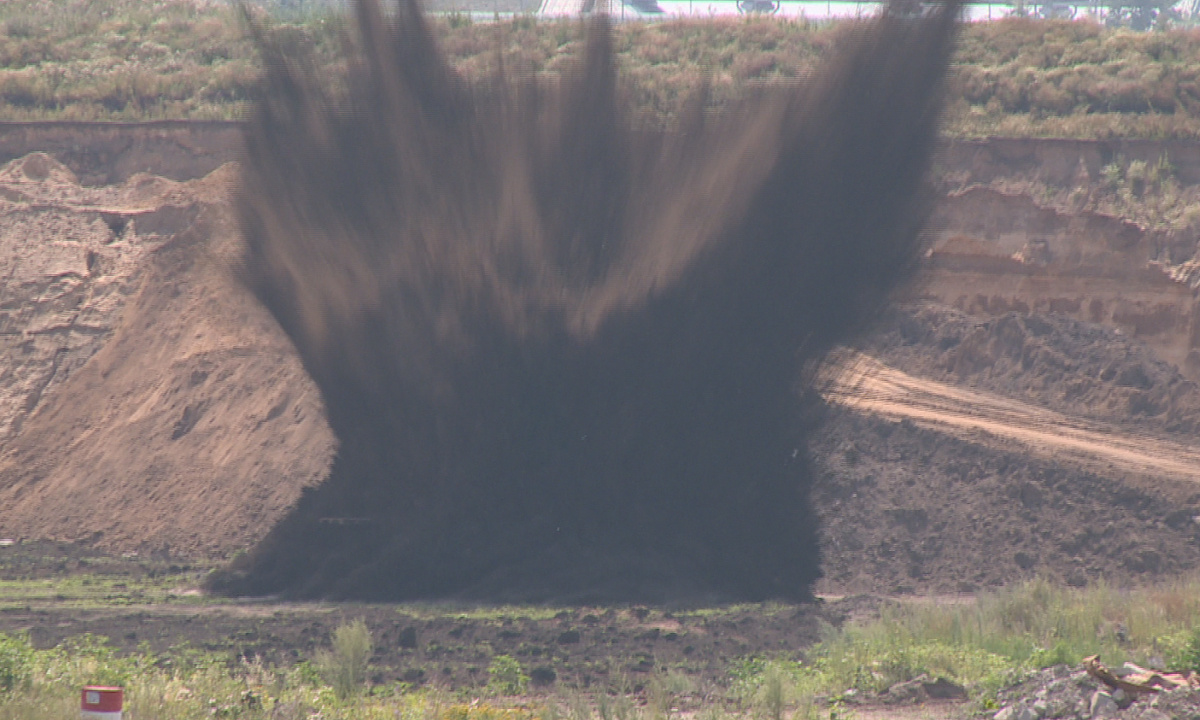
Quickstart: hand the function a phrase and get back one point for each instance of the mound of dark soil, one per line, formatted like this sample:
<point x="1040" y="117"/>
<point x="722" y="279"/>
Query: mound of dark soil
<point x="559" y="352"/>
<point x="906" y="509"/>
<point x="1072" y="367"/>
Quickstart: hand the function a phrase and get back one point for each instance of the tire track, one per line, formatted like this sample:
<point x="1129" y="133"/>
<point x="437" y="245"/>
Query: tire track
<point x="867" y="385"/>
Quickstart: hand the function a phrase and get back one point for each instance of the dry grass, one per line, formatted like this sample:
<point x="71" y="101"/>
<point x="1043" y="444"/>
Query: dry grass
<point x="129" y="59"/>
<point x="1076" y="79"/>
<point x="154" y="59"/>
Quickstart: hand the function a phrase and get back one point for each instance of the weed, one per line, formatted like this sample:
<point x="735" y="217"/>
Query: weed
<point x="773" y="695"/>
<point x="987" y="644"/>
<point x="457" y="20"/>
<point x="16" y="662"/>
<point x="1189" y="659"/>
<point x="345" y="667"/>
<point x="506" y="677"/>
<point x="839" y="711"/>
<point x="664" y="691"/>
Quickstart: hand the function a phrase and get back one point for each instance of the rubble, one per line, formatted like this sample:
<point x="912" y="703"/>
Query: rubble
<point x="921" y="689"/>
<point x="1085" y="693"/>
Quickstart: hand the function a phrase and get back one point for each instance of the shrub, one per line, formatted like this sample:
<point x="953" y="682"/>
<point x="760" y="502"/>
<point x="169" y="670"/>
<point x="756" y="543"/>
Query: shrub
<point x="506" y="676"/>
<point x="16" y="655"/>
<point x="1189" y="659"/>
<point x="345" y="667"/>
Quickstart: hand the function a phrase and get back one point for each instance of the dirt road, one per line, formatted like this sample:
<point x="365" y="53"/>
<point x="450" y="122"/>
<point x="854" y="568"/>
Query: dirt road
<point x="869" y="386"/>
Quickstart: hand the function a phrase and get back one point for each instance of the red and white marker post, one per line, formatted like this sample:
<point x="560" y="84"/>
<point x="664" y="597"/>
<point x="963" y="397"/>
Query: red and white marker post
<point x="101" y="703"/>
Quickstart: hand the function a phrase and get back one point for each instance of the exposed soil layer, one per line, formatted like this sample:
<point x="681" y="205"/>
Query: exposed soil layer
<point x="1080" y="369"/>
<point x="158" y="372"/>
<point x="109" y="153"/>
<point x="907" y="509"/>
<point x="872" y="388"/>
<point x="174" y="446"/>
<point x="149" y="403"/>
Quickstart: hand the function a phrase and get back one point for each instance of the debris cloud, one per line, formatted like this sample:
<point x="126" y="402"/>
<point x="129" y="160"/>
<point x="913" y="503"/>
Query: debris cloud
<point x="565" y="357"/>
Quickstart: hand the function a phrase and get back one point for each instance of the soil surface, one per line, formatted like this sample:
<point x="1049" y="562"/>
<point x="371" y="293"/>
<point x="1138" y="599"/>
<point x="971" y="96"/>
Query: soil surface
<point x="910" y="509"/>
<point x="1074" y="369"/>
<point x="444" y="645"/>
<point x="872" y="388"/>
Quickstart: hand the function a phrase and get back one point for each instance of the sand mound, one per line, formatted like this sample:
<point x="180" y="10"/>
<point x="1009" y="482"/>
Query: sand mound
<point x="149" y="403"/>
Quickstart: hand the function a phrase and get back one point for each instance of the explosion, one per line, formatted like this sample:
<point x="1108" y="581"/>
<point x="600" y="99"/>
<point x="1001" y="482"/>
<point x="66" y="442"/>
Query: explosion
<point x="567" y="358"/>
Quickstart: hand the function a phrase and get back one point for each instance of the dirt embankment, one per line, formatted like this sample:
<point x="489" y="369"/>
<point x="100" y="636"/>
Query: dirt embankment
<point x="148" y="403"/>
<point x="997" y="252"/>
<point x="111" y="153"/>
<point x="152" y="404"/>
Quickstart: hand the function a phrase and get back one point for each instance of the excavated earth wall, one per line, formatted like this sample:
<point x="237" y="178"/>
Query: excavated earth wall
<point x="997" y="253"/>
<point x="148" y="403"/>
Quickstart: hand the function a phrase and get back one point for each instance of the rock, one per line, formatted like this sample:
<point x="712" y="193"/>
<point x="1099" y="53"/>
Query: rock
<point x="1121" y="698"/>
<point x="1015" y="712"/>
<point x="1103" y="705"/>
<point x="943" y="689"/>
<point x="908" y="693"/>
<point x="1041" y="708"/>
<point x="1152" y="714"/>
<point x="542" y="676"/>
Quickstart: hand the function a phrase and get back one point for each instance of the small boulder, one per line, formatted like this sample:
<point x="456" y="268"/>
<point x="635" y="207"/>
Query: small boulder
<point x="943" y="689"/>
<point x="1015" y="712"/>
<point x="1103" y="705"/>
<point x="1121" y="698"/>
<point x="543" y="676"/>
<point x="407" y="638"/>
<point x="911" y="692"/>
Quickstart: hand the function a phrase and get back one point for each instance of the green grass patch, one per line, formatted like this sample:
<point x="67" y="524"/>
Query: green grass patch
<point x="86" y="590"/>
<point x="37" y="684"/>
<point x="984" y="644"/>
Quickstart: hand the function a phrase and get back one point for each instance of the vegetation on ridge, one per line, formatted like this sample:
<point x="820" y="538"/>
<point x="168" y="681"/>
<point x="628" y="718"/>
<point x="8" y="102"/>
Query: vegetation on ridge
<point x="177" y="59"/>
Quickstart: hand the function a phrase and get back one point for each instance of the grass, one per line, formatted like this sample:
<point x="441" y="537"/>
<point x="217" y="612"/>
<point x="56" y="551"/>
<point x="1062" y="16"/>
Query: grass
<point x="987" y="644"/>
<point x="44" y="574"/>
<point x="82" y="591"/>
<point x="345" y="666"/>
<point x="185" y="59"/>
<point x="982" y="645"/>
<point x="131" y="59"/>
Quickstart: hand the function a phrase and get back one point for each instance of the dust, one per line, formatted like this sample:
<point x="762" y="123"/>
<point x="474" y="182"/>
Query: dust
<point x="567" y="358"/>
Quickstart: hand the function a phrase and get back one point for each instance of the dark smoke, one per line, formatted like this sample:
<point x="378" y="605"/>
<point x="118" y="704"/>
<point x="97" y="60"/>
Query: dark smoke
<point x="564" y="358"/>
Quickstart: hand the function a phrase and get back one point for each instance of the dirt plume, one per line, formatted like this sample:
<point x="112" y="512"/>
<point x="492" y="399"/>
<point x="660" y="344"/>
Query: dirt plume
<point x="560" y="351"/>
